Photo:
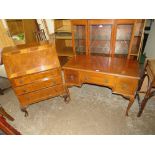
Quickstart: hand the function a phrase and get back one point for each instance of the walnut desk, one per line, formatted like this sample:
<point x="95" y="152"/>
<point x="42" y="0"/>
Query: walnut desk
<point x="120" y="74"/>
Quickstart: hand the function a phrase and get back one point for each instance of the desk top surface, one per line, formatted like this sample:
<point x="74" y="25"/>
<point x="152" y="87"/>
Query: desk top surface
<point x="109" y="65"/>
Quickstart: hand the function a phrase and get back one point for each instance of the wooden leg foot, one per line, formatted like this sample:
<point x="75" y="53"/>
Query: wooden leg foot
<point x="25" y="111"/>
<point x="129" y="106"/>
<point x="67" y="98"/>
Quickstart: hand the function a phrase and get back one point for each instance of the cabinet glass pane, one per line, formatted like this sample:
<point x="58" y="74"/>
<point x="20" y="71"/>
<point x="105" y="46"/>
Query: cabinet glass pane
<point x="123" y="37"/>
<point x="100" y="39"/>
<point x="80" y="39"/>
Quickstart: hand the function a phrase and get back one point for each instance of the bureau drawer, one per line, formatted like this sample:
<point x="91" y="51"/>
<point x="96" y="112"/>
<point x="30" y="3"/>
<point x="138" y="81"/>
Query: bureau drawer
<point x="71" y="76"/>
<point x="42" y="94"/>
<point x="126" y="85"/>
<point x="40" y="84"/>
<point x="98" y="78"/>
<point x="33" y="77"/>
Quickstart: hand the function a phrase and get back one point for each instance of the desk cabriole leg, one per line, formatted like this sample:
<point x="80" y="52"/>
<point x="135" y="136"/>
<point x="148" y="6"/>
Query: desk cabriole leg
<point x="131" y="100"/>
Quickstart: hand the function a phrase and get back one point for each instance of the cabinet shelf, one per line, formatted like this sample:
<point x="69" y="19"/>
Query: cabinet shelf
<point x="99" y="40"/>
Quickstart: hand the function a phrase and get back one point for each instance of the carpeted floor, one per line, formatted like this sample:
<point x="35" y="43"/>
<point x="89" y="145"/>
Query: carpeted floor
<point x="92" y="110"/>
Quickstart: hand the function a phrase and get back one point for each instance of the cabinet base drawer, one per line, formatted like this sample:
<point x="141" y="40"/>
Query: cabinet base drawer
<point x="37" y="85"/>
<point x="43" y="94"/>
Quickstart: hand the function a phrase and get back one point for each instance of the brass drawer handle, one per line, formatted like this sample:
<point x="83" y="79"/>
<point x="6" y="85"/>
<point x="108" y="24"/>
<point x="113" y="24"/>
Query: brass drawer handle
<point x="53" y="83"/>
<point x="20" y="81"/>
<point x="87" y="78"/>
<point x="124" y="86"/>
<point x="72" y="77"/>
<point x="24" y="91"/>
<point x="105" y="80"/>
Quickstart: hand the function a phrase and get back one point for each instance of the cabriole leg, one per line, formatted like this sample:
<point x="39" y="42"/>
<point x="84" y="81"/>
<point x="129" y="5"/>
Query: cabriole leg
<point x="131" y="100"/>
<point x="23" y="109"/>
<point x="67" y="96"/>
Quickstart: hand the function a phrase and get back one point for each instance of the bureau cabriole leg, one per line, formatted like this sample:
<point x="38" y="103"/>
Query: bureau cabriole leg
<point x="23" y="109"/>
<point x="67" y="96"/>
<point x="131" y="100"/>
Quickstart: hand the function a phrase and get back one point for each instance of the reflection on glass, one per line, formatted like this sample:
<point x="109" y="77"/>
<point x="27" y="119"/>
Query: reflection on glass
<point x="100" y="36"/>
<point x="123" y="37"/>
<point x="80" y="39"/>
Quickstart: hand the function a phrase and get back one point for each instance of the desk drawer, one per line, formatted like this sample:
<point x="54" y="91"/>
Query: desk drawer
<point x="126" y="85"/>
<point x="71" y="76"/>
<point x="42" y="94"/>
<point x="33" y="77"/>
<point x="98" y="78"/>
<point x="40" y="84"/>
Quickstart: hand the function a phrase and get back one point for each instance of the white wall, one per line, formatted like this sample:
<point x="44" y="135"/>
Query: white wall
<point x="150" y="44"/>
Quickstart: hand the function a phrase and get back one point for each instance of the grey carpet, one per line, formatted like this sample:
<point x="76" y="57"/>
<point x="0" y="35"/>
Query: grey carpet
<point x="92" y="110"/>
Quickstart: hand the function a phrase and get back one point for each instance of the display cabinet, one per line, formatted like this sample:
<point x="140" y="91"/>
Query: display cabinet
<point x="111" y="37"/>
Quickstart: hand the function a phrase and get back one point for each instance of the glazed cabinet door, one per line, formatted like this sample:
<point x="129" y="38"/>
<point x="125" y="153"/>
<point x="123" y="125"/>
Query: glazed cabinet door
<point x="100" y="34"/>
<point x="138" y="37"/>
<point x="124" y="35"/>
<point x="79" y="37"/>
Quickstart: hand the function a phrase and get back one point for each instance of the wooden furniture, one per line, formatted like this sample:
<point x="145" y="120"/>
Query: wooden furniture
<point x="34" y="72"/>
<point x="149" y="72"/>
<point x="108" y="37"/>
<point x="104" y="55"/>
<point x="21" y="30"/>
<point x="4" y="125"/>
<point x="119" y="74"/>
<point x="63" y="37"/>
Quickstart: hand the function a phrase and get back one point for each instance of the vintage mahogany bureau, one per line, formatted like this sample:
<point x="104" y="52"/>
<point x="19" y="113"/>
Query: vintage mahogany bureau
<point x="34" y="72"/>
<point x="106" y="53"/>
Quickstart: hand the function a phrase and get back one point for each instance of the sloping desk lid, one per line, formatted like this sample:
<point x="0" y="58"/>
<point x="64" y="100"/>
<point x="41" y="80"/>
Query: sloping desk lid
<point x="110" y="65"/>
<point x="29" y="59"/>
